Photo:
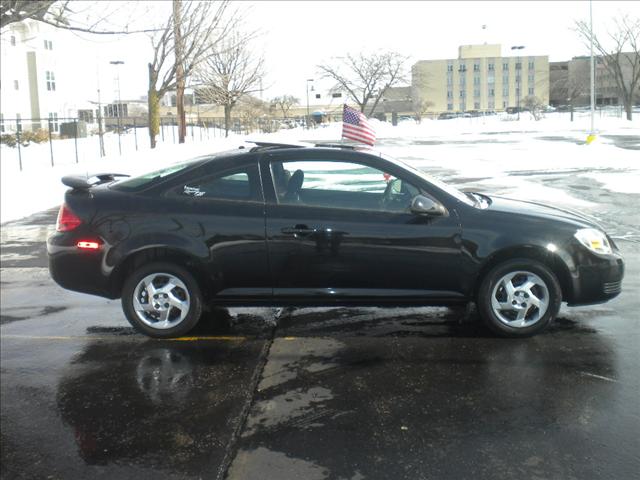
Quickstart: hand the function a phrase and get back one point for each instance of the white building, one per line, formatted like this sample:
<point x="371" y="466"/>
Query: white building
<point x="36" y="78"/>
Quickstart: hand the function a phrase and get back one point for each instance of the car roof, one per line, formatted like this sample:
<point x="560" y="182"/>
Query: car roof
<point x="271" y="146"/>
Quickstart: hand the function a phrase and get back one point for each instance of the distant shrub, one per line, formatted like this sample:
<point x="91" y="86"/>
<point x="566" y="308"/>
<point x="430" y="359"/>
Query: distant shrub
<point x="8" y="139"/>
<point x="35" y="136"/>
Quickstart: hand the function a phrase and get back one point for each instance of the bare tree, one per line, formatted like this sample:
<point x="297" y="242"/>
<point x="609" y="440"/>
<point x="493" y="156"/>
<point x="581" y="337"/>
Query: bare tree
<point x="366" y="77"/>
<point x="232" y="72"/>
<point x="284" y="103"/>
<point x="201" y="30"/>
<point x="534" y="105"/>
<point x="624" y="66"/>
<point x="88" y="17"/>
<point x="420" y="108"/>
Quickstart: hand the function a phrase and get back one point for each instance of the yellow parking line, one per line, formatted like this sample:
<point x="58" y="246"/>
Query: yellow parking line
<point x="91" y="337"/>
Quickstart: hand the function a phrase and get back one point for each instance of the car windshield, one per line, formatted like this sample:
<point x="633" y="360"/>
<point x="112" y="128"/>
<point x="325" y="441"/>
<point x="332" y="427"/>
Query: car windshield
<point x="147" y="179"/>
<point x="454" y="192"/>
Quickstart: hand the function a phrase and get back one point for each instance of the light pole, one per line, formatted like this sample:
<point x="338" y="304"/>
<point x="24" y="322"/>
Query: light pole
<point x="119" y="109"/>
<point x="307" y="122"/>
<point x="592" y="135"/>
<point x="518" y="81"/>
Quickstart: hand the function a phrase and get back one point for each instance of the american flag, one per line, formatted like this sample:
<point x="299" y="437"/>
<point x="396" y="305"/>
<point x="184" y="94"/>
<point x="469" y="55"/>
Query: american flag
<point x="355" y="127"/>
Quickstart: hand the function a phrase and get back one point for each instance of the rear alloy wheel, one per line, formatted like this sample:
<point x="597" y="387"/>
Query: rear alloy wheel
<point x="162" y="300"/>
<point x="519" y="298"/>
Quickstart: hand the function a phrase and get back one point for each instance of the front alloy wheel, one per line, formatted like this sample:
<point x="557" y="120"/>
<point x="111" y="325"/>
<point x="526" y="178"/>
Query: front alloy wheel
<point x="519" y="298"/>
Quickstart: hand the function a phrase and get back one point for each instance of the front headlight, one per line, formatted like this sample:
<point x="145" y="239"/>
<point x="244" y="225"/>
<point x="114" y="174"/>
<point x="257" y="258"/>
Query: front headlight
<point x="594" y="240"/>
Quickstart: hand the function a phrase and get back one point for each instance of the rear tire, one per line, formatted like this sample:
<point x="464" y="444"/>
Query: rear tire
<point x="519" y="298"/>
<point x="162" y="300"/>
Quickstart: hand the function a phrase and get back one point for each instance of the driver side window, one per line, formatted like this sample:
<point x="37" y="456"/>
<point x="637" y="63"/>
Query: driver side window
<point x="333" y="184"/>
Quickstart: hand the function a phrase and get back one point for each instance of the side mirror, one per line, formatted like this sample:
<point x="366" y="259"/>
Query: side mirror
<point x="421" y="205"/>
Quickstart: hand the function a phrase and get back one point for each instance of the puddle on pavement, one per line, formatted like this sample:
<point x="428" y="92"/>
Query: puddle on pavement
<point x="255" y="464"/>
<point x="286" y="361"/>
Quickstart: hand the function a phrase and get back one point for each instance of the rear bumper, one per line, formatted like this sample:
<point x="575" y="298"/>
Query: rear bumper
<point x="76" y="269"/>
<point x="598" y="280"/>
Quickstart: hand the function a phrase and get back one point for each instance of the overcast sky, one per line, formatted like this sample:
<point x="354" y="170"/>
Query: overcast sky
<point x="296" y="36"/>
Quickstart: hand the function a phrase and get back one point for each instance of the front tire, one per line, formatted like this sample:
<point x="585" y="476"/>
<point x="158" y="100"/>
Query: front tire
<point x="519" y="298"/>
<point x="162" y="300"/>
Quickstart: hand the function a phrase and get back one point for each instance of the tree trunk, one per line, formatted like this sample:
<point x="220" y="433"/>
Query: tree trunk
<point x="628" y="108"/>
<point x="180" y="80"/>
<point x="153" y="107"/>
<point x="227" y="119"/>
<point x="153" y="116"/>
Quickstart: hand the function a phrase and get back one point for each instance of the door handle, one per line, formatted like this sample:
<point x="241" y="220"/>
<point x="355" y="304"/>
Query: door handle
<point x="298" y="230"/>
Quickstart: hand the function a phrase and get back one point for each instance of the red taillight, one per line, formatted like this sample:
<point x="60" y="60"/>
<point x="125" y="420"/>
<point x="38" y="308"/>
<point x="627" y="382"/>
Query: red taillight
<point x="67" y="220"/>
<point x="88" y="245"/>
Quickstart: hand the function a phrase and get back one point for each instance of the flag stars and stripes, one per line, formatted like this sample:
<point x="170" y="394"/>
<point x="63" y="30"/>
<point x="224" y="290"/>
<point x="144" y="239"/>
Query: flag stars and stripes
<point x="356" y="127"/>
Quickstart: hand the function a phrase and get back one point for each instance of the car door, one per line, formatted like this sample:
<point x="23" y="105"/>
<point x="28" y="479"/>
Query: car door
<point x="335" y="229"/>
<point x="221" y="206"/>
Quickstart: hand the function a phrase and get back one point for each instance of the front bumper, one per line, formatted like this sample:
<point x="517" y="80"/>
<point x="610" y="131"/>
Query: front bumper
<point x="598" y="278"/>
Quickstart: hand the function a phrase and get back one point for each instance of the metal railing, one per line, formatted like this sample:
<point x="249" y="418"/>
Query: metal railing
<point x="72" y="138"/>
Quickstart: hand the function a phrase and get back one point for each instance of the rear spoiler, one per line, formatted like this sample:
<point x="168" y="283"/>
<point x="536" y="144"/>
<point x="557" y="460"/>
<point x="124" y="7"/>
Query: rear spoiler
<point x="80" y="182"/>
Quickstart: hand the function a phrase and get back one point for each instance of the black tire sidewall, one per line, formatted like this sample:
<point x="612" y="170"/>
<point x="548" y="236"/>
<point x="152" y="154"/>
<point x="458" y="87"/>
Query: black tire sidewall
<point x="195" y="299"/>
<point x="488" y="283"/>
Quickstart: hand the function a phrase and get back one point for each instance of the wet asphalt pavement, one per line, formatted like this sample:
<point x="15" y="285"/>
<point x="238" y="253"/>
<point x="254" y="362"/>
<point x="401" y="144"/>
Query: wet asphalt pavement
<point x="340" y="393"/>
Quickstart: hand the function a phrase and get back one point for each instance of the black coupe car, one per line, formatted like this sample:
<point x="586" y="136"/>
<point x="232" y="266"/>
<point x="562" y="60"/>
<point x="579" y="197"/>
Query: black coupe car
<point x="296" y="225"/>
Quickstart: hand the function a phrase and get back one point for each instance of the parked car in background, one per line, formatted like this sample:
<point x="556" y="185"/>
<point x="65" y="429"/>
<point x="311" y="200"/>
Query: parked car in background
<point x="321" y="225"/>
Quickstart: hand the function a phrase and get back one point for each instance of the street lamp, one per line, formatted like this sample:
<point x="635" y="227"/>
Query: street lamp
<point x="518" y="81"/>
<point x="119" y="109"/>
<point x="307" y="122"/>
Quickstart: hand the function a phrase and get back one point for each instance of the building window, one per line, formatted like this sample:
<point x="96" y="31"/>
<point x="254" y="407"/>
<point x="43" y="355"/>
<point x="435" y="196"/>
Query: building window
<point x="504" y="104"/>
<point x="491" y="80"/>
<point x="530" y="90"/>
<point x="491" y="67"/>
<point x="336" y="95"/>
<point x="531" y="65"/>
<point x="317" y="95"/>
<point x="449" y="106"/>
<point x="13" y="40"/>
<point x="85" y="116"/>
<point x="18" y="123"/>
<point x="531" y="78"/>
<point x="53" y="122"/>
<point x="505" y="66"/>
<point x="518" y="66"/>
<point x="476" y="92"/>
<point x="51" y="81"/>
<point x="476" y="80"/>
<point x="463" y="106"/>
<point x="492" y="92"/>
<point x="449" y="94"/>
<point x="505" y="80"/>
<point x="517" y="92"/>
<point x="449" y="68"/>
<point x="462" y="68"/>
<point x="461" y="93"/>
<point x="48" y="45"/>
<point x="505" y="91"/>
<point x="491" y="105"/>
<point x="16" y="85"/>
<point x="476" y="67"/>
<point x="450" y="80"/>
<point x="476" y="105"/>
<point x="1" y="122"/>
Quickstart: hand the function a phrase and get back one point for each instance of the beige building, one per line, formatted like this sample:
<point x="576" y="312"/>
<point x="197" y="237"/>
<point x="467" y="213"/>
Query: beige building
<point x="480" y="79"/>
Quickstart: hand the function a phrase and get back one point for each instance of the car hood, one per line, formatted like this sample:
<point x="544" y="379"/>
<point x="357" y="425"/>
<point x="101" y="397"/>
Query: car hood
<point x="540" y="210"/>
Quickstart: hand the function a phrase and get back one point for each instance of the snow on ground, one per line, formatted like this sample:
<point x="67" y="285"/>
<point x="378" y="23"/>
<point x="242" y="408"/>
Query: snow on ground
<point x="495" y="151"/>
